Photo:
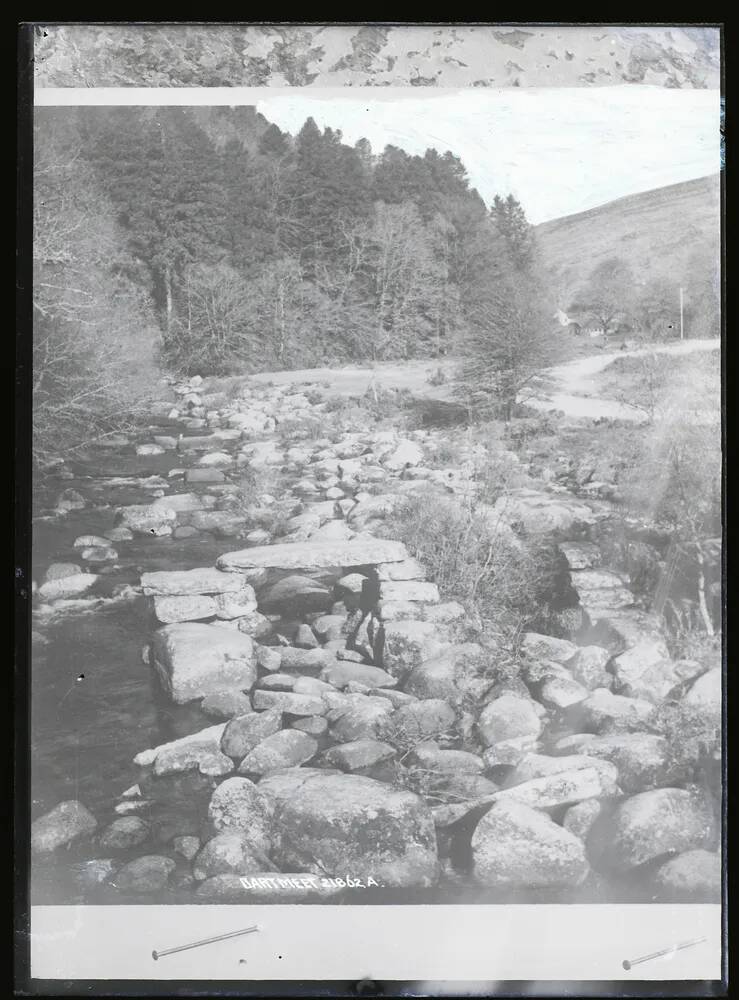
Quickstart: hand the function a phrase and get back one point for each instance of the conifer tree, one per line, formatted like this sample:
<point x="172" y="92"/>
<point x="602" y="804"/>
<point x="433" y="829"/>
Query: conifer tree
<point x="511" y="223"/>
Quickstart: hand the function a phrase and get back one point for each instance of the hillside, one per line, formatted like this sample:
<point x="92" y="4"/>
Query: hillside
<point x="658" y="232"/>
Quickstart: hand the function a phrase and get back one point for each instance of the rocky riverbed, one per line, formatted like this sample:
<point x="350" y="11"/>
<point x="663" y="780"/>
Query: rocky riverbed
<point x="204" y="648"/>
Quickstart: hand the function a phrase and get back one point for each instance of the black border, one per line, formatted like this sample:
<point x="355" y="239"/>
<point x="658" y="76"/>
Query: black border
<point x="23" y="984"/>
<point x="22" y="498"/>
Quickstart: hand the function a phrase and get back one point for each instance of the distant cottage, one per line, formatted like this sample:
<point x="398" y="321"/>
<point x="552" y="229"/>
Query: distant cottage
<point x="573" y="326"/>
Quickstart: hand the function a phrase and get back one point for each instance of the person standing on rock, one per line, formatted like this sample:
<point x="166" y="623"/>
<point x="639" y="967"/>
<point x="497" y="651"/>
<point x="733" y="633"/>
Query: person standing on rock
<point x="369" y="601"/>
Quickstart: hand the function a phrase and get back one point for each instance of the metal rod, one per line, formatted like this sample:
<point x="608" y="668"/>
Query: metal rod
<point x="681" y="312"/>
<point x="156" y="955"/>
<point x="658" y="954"/>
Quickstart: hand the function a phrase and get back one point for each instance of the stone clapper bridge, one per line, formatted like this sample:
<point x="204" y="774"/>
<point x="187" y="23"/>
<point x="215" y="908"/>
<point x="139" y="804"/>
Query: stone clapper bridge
<point x="390" y="753"/>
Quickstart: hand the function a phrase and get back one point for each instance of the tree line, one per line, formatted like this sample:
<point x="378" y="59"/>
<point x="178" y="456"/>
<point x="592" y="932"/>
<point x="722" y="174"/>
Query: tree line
<point x="614" y="298"/>
<point x="256" y="249"/>
<point x="208" y="241"/>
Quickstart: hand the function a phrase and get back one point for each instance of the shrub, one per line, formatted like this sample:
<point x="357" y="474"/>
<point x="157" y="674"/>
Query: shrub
<point x="406" y="736"/>
<point x="336" y="404"/>
<point x="437" y="378"/>
<point x="446" y="452"/>
<point x="430" y="785"/>
<point x="499" y="472"/>
<point x="308" y="428"/>
<point x="383" y="402"/>
<point x="499" y="580"/>
<point x="253" y="485"/>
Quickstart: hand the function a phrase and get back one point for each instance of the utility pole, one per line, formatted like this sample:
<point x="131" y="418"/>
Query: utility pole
<point x="681" y="313"/>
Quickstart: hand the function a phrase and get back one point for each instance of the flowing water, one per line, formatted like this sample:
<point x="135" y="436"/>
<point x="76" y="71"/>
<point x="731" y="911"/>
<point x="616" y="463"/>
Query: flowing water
<point x="95" y="703"/>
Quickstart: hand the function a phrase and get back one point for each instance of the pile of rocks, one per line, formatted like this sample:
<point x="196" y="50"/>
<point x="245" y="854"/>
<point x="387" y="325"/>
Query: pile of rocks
<point x="396" y="751"/>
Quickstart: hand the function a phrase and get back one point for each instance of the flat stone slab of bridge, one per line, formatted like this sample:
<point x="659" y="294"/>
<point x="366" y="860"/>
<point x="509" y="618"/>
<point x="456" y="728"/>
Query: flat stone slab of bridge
<point x="315" y="555"/>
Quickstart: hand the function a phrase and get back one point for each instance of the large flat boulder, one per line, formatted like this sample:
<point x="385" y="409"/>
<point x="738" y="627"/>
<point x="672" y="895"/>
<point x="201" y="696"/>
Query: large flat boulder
<point x="623" y="628"/>
<point x="588" y="667"/>
<point x="143" y="519"/>
<point x="238" y="805"/>
<point x="517" y="847"/>
<point x="149" y="873"/>
<point x="409" y="590"/>
<point x="642" y="759"/>
<point x="630" y="666"/>
<point x="195" y="660"/>
<point x="349" y="823"/>
<point x="547" y="647"/>
<point x="288" y="748"/>
<point x="357" y="717"/>
<point x="407" y="643"/>
<point x="298" y="593"/>
<point x="345" y="672"/>
<point x="538" y="513"/>
<point x="601" y="591"/>
<point x="315" y="555"/>
<point x="602" y="708"/>
<point x="65" y="823"/>
<point x="243" y="733"/>
<point x="197" y="607"/>
<point x="409" y="569"/>
<point x="358" y="755"/>
<point x="705" y="695"/>
<point x="566" y="787"/>
<point x="175" y="583"/>
<point x="508" y="717"/>
<point x="183" y="502"/>
<point x="444" y="675"/>
<point x="68" y="586"/>
<point x="226" y="853"/>
<point x="691" y="874"/>
<point x="184" y="754"/>
<point x="661" y="822"/>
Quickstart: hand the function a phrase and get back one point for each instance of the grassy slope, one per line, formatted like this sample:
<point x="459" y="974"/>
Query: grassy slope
<point x="657" y="232"/>
<point x="624" y="378"/>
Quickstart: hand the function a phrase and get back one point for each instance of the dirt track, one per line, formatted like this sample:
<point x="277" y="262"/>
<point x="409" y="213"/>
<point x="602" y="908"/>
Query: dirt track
<point x="570" y="388"/>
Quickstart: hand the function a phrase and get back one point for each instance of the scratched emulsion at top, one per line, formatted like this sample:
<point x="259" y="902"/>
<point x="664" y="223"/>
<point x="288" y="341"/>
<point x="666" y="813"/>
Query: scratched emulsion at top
<point x="523" y="55"/>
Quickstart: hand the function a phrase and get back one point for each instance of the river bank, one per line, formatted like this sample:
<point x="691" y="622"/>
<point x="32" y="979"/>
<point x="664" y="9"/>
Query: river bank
<point x="218" y="723"/>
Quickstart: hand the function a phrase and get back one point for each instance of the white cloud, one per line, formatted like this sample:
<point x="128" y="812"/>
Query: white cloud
<point x="559" y="150"/>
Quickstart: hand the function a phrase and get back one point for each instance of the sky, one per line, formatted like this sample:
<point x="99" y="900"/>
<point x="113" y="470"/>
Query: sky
<point x="558" y="150"/>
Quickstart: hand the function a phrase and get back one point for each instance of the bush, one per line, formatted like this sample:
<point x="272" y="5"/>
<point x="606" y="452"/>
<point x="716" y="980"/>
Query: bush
<point x="337" y="404"/>
<point x="437" y="378"/>
<point x="496" y="579"/>
<point x="383" y="403"/>
<point x="446" y="453"/>
<point x="307" y="428"/>
<point x="253" y="485"/>
<point x="406" y="736"/>
<point x="499" y="472"/>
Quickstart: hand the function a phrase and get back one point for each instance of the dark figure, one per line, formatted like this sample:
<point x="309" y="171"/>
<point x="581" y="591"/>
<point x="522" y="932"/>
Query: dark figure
<point x="369" y="600"/>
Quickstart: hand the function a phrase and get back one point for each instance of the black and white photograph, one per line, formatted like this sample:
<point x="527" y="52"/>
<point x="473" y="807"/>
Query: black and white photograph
<point x="377" y="480"/>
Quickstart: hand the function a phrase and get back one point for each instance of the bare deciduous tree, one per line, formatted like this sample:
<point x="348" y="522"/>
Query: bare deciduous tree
<point x="93" y="338"/>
